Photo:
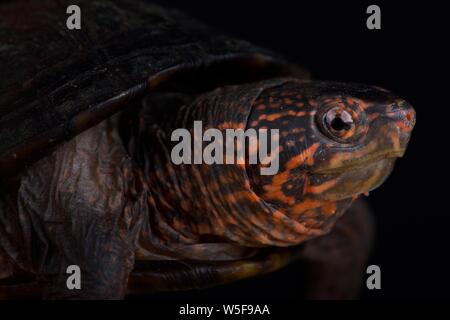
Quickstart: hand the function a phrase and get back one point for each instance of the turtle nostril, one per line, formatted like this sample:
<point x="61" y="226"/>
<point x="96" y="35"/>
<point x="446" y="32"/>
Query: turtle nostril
<point x="409" y="117"/>
<point x="405" y="118"/>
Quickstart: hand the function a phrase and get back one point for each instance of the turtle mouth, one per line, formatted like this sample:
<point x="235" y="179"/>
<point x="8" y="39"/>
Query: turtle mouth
<point x="361" y="163"/>
<point x="357" y="177"/>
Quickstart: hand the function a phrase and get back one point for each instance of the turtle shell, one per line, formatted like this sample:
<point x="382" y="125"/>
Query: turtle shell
<point x="58" y="82"/>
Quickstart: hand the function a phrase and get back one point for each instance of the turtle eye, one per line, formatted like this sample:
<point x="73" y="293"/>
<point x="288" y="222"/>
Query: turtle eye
<point x="339" y="122"/>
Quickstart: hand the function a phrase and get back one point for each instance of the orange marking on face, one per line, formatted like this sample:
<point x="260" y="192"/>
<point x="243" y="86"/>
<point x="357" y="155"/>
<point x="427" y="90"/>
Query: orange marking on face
<point x="253" y="145"/>
<point x="321" y="188"/>
<point x="350" y="100"/>
<point x="306" y="204"/>
<point x="348" y="134"/>
<point x="274" y="116"/>
<point x="262" y="117"/>
<point x="231" y="125"/>
<point x="280" y="178"/>
<point x="403" y="126"/>
<point x="274" y="190"/>
<point x="306" y="156"/>
<point x="297" y="114"/>
<point x="329" y="208"/>
<point x="359" y="102"/>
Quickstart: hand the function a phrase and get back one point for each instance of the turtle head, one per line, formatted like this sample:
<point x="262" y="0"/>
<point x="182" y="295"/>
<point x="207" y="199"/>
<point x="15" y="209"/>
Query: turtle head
<point x="336" y="141"/>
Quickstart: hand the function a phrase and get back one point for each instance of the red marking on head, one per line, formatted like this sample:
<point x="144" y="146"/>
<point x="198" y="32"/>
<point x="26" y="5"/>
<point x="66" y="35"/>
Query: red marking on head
<point x="359" y="102"/>
<point x="403" y="126"/>
<point x="274" y="191"/>
<point x="306" y="204"/>
<point x="329" y="208"/>
<point x="306" y="156"/>
<point x="321" y="188"/>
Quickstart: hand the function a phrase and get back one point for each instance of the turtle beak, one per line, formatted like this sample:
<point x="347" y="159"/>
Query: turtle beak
<point x="394" y="127"/>
<point x="403" y="116"/>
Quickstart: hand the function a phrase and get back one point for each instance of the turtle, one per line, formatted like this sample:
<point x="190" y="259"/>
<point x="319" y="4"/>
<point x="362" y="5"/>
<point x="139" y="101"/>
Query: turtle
<point x="86" y="157"/>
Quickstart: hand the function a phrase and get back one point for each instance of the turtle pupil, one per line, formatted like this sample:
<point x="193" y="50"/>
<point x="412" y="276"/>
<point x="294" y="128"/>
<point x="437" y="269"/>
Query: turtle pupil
<point x="338" y="124"/>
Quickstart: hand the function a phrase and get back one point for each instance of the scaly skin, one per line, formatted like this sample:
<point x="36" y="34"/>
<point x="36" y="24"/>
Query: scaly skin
<point x="101" y="205"/>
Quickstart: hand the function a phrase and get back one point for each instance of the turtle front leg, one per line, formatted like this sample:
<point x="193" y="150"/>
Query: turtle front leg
<point x="103" y="255"/>
<point x="78" y="207"/>
<point x="333" y="265"/>
<point x="104" y="259"/>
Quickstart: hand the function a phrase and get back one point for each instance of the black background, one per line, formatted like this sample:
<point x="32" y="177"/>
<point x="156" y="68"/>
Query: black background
<point x="407" y="56"/>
